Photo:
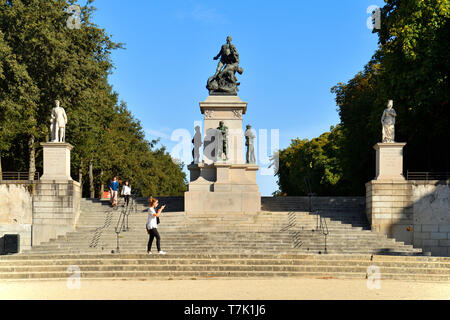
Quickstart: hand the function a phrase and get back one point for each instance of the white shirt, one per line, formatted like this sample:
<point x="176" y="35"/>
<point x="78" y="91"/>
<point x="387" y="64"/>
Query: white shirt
<point x="126" y="191"/>
<point x="151" y="222"/>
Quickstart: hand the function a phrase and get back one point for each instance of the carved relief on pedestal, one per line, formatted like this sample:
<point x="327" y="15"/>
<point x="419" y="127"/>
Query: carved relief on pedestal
<point x="209" y="114"/>
<point x="237" y="114"/>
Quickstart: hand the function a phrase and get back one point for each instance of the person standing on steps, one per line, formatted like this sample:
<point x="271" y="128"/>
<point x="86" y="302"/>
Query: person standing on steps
<point x="126" y="193"/>
<point x="152" y="225"/>
<point x="113" y="189"/>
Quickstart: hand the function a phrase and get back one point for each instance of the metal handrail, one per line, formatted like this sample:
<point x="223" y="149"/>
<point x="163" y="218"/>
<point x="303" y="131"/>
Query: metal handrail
<point x="18" y="176"/>
<point x="322" y="227"/>
<point x="427" y="176"/>
<point x="122" y="223"/>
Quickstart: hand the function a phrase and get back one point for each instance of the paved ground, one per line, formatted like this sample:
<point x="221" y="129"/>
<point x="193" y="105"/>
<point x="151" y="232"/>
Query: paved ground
<point x="272" y="289"/>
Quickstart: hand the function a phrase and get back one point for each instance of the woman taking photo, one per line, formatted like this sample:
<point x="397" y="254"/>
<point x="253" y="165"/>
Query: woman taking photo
<point x="152" y="225"/>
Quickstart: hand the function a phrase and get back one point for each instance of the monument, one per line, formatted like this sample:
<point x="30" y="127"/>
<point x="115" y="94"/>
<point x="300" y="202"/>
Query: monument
<point x="388" y="203"/>
<point x="389" y="160"/>
<point x="223" y="181"/>
<point x="56" y="203"/>
<point x="57" y="151"/>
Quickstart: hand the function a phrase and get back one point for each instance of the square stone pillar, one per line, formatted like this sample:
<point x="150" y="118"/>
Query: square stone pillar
<point x="217" y="185"/>
<point x="389" y="161"/>
<point x="56" y="161"/>
<point x="389" y="203"/>
<point x="230" y="110"/>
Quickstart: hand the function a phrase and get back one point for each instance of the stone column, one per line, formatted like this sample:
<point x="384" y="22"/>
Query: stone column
<point x="230" y="110"/>
<point x="56" y="200"/>
<point x="389" y="201"/>
<point x="217" y="185"/>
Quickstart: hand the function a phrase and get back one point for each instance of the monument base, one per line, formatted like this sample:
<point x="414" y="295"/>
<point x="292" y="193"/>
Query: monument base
<point x="56" y="162"/>
<point x="389" y="161"/>
<point x="223" y="187"/>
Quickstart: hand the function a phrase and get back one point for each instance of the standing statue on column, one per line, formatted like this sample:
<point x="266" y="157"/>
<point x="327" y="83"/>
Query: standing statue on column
<point x="58" y="123"/>
<point x="250" y="143"/>
<point x="222" y="142"/>
<point x="197" y="141"/>
<point x="388" y="122"/>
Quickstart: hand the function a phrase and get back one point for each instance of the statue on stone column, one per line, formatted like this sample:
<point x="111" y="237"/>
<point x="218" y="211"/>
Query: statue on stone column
<point x="58" y="123"/>
<point x="197" y="141"/>
<point x="224" y="80"/>
<point x="388" y="122"/>
<point x="222" y="142"/>
<point x="250" y="144"/>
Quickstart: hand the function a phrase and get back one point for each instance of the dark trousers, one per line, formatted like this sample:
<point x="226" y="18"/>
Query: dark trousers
<point x="127" y="199"/>
<point x="154" y="233"/>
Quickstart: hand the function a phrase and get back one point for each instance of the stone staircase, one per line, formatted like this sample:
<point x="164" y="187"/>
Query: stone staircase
<point x="267" y="244"/>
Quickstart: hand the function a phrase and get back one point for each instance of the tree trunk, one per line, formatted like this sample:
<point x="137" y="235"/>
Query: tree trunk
<point x="91" y="179"/>
<point x="32" y="153"/>
<point x="80" y="176"/>
<point x="102" y="188"/>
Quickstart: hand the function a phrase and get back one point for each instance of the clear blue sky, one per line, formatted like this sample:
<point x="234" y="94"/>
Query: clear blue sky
<point x="292" y="53"/>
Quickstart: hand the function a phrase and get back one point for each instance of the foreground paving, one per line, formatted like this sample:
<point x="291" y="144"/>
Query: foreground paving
<point x="231" y="289"/>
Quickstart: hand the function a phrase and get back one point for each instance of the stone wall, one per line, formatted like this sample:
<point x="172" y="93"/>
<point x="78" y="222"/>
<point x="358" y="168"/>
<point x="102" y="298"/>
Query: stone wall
<point x="432" y="217"/>
<point x="56" y="209"/>
<point x="51" y="211"/>
<point x="415" y="212"/>
<point x="16" y="212"/>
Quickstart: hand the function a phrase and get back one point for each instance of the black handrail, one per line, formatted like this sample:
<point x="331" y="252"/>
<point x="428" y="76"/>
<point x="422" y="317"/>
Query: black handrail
<point x="18" y="176"/>
<point x="122" y="223"/>
<point x="322" y="227"/>
<point x="427" y="176"/>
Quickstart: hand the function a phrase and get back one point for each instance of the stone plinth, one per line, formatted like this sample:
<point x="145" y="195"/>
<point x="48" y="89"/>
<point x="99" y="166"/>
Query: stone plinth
<point x="223" y="186"/>
<point x="56" y="162"/>
<point x="56" y="209"/>
<point x="389" y="161"/>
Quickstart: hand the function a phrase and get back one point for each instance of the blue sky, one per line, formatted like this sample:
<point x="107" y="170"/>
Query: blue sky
<point x="293" y="52"/>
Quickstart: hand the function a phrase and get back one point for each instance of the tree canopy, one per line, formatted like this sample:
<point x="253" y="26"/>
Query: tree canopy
<point x="43" y="60"/>
<point x="411" y="67"/>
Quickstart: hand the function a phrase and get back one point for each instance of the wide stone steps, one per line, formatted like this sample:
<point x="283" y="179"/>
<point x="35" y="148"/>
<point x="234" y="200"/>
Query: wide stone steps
<point x="281" y="231"/>
<point x="188" y="266"/>
<point x="216" y="245"/>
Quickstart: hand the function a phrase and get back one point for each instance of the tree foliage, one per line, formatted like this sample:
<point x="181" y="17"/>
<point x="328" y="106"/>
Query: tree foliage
<point x="42" y="60"/>
<point x="411" y="67"/>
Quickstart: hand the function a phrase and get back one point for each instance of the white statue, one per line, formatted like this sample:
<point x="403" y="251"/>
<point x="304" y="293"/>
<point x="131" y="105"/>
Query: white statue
<point x="58" y="123"/>
<point x="250" y="143"/>
<point x="388" y="122"/>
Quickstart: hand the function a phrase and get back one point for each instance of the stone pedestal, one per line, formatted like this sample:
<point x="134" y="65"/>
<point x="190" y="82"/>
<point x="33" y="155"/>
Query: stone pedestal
<point x="230" y="110"/>
<point x="389" y="161"/>
<point x="56" y="162"/>
<point x="388" y="196"/>
<point x="223" y="186"/>
<point x="56" y="200"/>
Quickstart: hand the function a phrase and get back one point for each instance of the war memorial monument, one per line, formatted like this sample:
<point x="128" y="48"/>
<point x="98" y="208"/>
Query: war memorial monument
<point x="222" y="227"/>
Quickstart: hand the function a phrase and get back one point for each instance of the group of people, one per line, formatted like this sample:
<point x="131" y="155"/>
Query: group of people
<point x="114" y="191"/>
<point x="153" y="212"/>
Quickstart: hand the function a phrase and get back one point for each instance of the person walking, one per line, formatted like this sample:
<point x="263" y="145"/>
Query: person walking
<point x="152" y="225"/>
<point x="113" y="189"/>
<point x="126" y="193"/>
